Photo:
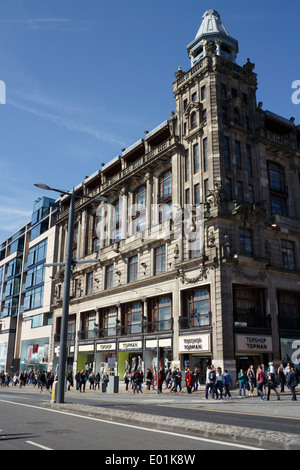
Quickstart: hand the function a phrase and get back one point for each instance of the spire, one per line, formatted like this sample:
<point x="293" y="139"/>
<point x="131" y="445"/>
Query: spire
<point x="212" y="37"/>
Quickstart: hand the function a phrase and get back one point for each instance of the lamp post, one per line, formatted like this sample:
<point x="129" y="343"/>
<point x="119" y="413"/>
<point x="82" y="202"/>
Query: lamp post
<point x="68" y="263"/>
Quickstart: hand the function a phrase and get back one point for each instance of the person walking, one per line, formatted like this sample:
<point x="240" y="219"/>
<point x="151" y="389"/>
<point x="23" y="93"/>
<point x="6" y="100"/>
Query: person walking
<point x="70" y="380"/>
<point x="196" y="379"/>
<point x="251" y="380"/>
<point x="127" y="379"/>
<point x="282" y="377"/>
<point x="227" y="382"/>
<point x="219" y="383"/>
<point x="242" y="382"/>
<point x="292" y="382"/>
<point x="272" y="385"/>
<point x="189" y="381"/>
<point x="260" y="381"/>
<point x="210" y="382"/>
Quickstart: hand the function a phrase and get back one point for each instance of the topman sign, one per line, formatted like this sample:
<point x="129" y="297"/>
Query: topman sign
<point x="253" y="343"/>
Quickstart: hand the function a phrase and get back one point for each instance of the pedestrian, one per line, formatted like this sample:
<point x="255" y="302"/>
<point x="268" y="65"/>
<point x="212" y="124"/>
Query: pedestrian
<point x="78" y="380"/>
<point x="70" y="380"/>
<point x="292" y="382"/>
<point x="242" y="383"/>
<point x="92" y="380"/>
<point x="179" y="379"/>
<point x="127" y="379"/>
<point x="83" y="380"/>
<point x="168" y="378"/>
<point x="174" y="381"/>
<point x="97" y="381"/>
<point x="210" y="382"/>
<point x="159" y="378"/>
<point x="196" y="379"/>
<point x="219" y="383"/>
<point x="149" y="379"/>
<point x="189" y="381"/>
<point x="260" y="381"/>
<point x="105" y="379"/>
<point x="251" y="380"/>
<point x="282" y="377"/>
<point x="272" y="385"/>
<point x="227" y="382"/>
<point x="42" y="380"/>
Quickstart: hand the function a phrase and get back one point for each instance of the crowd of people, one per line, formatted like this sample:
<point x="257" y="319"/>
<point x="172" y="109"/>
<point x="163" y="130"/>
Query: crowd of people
<point x="265" y="380"/>
<point x="217" y="383"/>
<point x="40" y="379"/>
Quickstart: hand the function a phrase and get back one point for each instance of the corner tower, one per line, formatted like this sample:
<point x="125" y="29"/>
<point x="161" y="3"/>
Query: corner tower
<point x="212" y="33"/>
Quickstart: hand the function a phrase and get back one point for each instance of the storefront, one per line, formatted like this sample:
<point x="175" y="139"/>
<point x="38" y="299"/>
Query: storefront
<point x="130" y="357"/>
<point x="252" y="350"/>
<point x="164" y="351"/>
<point x="34" y="355"/>
<point x="195" y="351"/>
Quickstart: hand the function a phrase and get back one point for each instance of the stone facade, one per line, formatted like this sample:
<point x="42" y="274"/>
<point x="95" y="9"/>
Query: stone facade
<point x="199" y="241"/>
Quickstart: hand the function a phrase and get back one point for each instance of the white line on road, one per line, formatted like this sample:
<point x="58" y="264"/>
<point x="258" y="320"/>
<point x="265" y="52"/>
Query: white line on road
<point x="38" y="445"/>
<point x="170" y="433"/>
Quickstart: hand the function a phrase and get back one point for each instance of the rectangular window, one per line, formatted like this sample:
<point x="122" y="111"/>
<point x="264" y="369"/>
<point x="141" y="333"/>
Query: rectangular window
<point x="109" y="276"/>
<point x="132" y="269"/>
<point x="187" y="165"/>
<point x="196" y="158"/>
<point x="289" y="311"/>
<point x="196" y="308"/>
<point x="249" y="160"/>
<point x="249" y="306"/>
<point x="203" y="93"/>
<point x="227" y="153"/>
<point x="160" y="259"/>
<point x="165" y="187"/>
<point x="139" y="201"/>
<point x="133" y="318"/>
<point x="197" y="193"/>
<point x="246" y="247"/>
<point x="288" y="254"/>
<point x="162" y="313"/>
<point x="205" y="155"/>
<point x="237" y="153"/>
<point x="89" y="283"/>
<point x="240" y="192"/>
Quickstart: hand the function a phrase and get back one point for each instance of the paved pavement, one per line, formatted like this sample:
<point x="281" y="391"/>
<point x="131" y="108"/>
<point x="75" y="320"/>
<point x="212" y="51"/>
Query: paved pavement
<point x="197" y="415"/>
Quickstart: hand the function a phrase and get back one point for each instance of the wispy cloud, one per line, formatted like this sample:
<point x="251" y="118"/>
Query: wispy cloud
<point x="48" y="24"/>
<point x="67" y="122"/>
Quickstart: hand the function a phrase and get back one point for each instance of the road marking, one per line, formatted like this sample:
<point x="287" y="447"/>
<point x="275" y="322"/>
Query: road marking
<point x="38" y="445"/>
<point x="131" y="426"/>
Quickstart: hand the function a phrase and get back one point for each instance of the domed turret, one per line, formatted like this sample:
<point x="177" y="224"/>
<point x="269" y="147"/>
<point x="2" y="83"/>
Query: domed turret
<point x="212" y="36"/>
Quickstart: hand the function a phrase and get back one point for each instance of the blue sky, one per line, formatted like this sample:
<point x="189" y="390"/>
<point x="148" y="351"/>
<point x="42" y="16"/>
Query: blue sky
<point x="84" y="79"/>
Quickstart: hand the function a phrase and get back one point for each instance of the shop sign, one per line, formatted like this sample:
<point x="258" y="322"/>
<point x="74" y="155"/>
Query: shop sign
<point x="254" y="343"/>
<point x="162" y="343"/>
<point x="130" y="345"/>
<point x="197" y="343"/>
<point x="106" y="347"/>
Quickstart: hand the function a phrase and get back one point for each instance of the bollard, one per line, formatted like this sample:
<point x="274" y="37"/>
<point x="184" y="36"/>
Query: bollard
<point x="54" y="392"/>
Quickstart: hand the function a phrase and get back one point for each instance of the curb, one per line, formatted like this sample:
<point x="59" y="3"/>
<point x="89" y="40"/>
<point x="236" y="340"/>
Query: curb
<point x="267" y="440"/>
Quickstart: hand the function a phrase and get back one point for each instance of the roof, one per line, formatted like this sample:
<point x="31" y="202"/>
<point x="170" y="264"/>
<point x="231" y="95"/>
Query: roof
<point x="211" y="24"/>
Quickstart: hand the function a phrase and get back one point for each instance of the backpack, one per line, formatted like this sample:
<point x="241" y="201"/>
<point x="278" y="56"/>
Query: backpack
<point x="212" y="376"/>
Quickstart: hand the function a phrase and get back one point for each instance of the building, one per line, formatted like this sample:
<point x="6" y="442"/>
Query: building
<point x="26" y="291"/>
<point x="199" y="241"/>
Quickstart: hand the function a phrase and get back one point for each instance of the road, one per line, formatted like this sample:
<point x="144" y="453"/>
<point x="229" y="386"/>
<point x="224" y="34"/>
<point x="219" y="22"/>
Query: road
<point x="26" y="426"/>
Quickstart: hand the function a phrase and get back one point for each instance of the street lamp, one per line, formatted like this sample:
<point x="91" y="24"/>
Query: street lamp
<point x="68" y="263"/>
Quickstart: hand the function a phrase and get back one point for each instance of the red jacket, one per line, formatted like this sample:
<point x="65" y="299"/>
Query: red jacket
<point x="189" y="379"/>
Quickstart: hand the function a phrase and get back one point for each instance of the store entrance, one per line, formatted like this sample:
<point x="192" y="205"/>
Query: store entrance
<point x="244" y="362"/>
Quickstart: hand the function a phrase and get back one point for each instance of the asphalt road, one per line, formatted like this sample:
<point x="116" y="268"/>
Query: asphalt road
<point x="26" y="426"/>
